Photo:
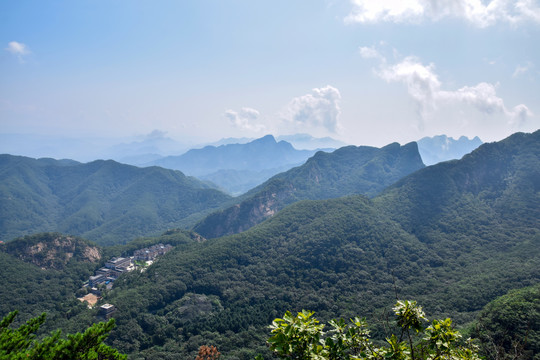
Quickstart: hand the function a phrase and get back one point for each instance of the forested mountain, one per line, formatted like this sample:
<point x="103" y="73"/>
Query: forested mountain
<point x="349" y="170"/>
<point x="238" y="167"/>
<point x="497" y="184"/>
<point x="453" y="236"/>
<point x="509" y="326"/>
<point x="347" y="256"/>
<point x="443" y="148"/>
<point x="103" y="201"/>
<point x="44" y="273"/>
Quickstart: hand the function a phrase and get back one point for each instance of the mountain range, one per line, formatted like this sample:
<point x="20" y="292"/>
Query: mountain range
<point x="454" y="236"/>
<point x="237" y="167"/>
<point x="348" y="170"/>
<point x="104" y="201"/>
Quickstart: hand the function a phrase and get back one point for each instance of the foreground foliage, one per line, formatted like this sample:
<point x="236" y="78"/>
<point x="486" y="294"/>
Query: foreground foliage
<point x="509" y="327"/>
<point x="303" y="338"/>
<point x="21" y="344"/>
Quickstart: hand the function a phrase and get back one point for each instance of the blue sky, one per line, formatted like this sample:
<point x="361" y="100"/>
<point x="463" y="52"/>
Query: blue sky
<point x="364" y="72"/>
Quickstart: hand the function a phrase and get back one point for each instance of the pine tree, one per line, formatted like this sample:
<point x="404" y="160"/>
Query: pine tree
<point x="21" y="343"/>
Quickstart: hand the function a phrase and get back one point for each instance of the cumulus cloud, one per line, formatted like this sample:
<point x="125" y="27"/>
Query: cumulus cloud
<point x="422" y="83"/>
<point x="425" y="88"/>
<point x="244" y="119"/>
<point x="320" y="108"/>
<point x="18" y="49"/>
<point x="479" y="13"/>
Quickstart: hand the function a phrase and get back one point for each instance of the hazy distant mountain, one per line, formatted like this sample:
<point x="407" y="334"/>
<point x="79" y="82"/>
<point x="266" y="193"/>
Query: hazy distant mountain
<point x="134" y="150"/>
<point x="306" y="141"/>
<point x="103" y="201"/>
<point x="442" y="148"/>
<point x="237" y="182"/>
<point x="58" y="147"/>
<point x="149" y="148"/>
<point x="299" y="141"/>
<point x="228" y="141"/>
<point x="349" y="170"/>
<point x="253" y="162"/>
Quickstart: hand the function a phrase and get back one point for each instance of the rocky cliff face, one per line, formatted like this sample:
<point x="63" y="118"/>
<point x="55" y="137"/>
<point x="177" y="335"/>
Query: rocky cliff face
<point x="247" y="214"/>
<point x="52" y="250"/>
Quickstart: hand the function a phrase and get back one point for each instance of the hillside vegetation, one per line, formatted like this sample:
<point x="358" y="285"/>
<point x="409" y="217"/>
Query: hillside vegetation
<point x="349" y="170"/>
<point x="441" y="236"/>
<point x="103" y="201"/>
<point x="454" y="236"/>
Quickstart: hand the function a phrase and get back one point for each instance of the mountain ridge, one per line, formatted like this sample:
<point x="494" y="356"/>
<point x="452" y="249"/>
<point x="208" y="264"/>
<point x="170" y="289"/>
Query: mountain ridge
<point x="345" y="171"/>
<point x="103" y="200"/>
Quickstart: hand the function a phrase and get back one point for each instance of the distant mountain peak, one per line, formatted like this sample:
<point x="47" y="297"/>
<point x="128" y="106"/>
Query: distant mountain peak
<point x="443" y="148"/>
<point x="267" y="138"/>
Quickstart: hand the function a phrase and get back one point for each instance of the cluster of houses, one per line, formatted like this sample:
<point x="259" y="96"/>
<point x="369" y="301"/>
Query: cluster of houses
<point x="111" y="271"/>
<point x="119" y="265"/>
<point x="149" y="254"/>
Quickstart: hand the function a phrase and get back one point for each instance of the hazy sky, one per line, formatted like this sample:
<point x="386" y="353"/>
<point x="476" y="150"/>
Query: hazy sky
<point x="365" y="72"/>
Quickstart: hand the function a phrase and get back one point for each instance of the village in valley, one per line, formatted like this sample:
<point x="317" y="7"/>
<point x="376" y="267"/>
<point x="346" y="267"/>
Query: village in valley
<point x="103" y="278"/>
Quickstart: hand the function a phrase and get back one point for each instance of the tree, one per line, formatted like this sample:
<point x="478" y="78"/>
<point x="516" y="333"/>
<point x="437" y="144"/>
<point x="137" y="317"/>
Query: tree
<point x="303" y="338"/>
<point x="509" y="327"/>
<point x="208" y="353"/>
<point x="21" y="343"/>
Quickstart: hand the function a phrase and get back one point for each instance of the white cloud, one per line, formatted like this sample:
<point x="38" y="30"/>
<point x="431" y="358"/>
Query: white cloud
<point x="244" y="119"/>
<point x="369" y="52"/>
<point x="422" y="82"/>
<point x="17" y="48"/>
<point x="320" y="109"/>
<point x="425" y="88"/>
<point x="473" y="11"/>
<point x="522" y="69"/>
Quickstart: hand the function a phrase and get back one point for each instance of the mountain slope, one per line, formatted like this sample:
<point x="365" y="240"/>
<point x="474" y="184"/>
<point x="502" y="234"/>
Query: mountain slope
<point x="349" y="256"/>
<point x="103" y="201"/>
<point x="497" y="179"/>
<point x="349" y="170"/>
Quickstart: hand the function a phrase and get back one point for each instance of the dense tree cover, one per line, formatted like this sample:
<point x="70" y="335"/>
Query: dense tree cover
<point x="509" y="327"/>
<point x="341" y="258"/>
<point x="103" y="201"/>
<point x="20" y="343"/>
<point x="34" y="289"/>
<point x="48" y="280"/>
<point x="303" y="338"/>
<point x="349" y="170"/>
